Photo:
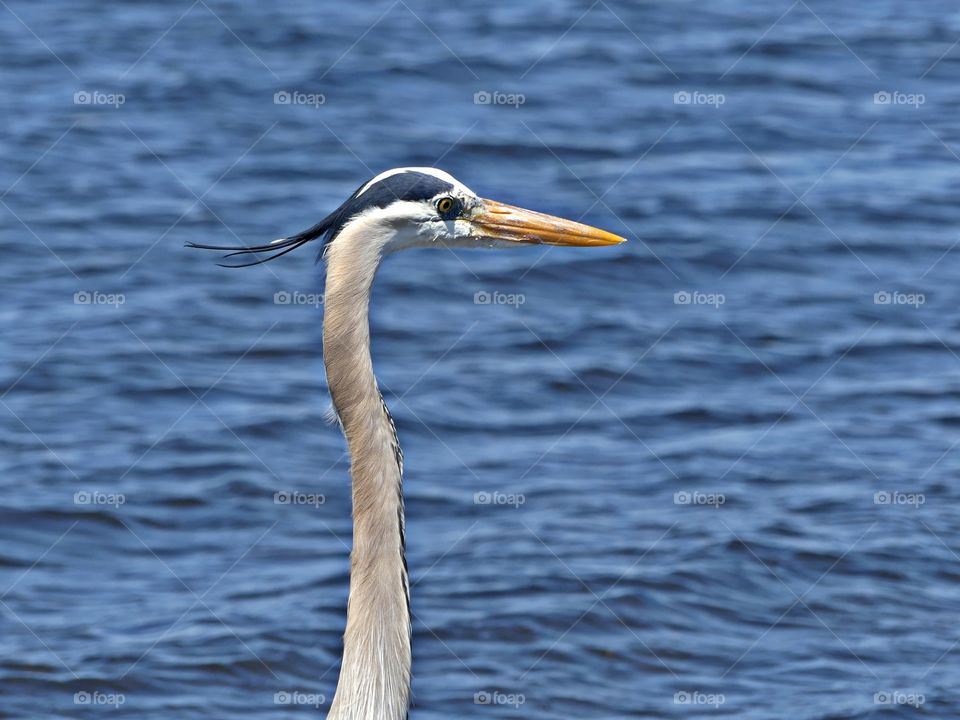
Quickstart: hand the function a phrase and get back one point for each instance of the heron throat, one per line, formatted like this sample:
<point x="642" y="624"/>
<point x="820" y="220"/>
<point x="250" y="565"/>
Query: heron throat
<point x="375" y="672"/>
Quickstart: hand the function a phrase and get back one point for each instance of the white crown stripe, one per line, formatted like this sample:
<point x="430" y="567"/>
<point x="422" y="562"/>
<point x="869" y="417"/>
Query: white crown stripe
<point x="439" y="174"/>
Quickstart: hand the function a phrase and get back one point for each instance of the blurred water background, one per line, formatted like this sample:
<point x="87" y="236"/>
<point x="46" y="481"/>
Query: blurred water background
<point x="708" y="473"/>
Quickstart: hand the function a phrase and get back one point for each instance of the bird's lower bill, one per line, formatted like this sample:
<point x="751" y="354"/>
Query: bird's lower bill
<point x="513" y="224"/>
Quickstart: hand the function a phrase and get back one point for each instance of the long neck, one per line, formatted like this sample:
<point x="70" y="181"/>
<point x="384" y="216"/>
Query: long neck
<point x="375" y="674"/>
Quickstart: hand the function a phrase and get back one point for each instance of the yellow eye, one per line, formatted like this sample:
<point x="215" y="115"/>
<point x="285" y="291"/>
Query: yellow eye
<point x="445" y="205"/>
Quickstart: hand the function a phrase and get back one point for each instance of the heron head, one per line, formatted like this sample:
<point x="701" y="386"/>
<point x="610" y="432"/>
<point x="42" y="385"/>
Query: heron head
<point x="425" y="207"/>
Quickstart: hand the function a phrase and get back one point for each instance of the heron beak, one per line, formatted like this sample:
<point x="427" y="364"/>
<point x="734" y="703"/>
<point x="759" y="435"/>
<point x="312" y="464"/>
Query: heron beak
<point x="505" y="222"/>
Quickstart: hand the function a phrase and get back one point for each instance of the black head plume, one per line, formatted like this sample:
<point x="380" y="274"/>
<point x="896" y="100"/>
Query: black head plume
<point x="326" y="228"/>
<point x="283" y="245"/>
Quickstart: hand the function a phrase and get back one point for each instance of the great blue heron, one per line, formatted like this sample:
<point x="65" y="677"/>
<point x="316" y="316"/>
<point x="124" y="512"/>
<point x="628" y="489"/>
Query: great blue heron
<point x="398" y="209"/>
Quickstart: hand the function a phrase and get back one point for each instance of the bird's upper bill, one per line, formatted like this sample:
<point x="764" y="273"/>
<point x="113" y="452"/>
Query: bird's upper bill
<point x="497" y="221"/>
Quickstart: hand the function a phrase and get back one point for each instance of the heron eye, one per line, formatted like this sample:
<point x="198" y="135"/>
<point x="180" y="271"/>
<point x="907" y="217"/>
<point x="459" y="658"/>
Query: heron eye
<point x="445" y="205"/>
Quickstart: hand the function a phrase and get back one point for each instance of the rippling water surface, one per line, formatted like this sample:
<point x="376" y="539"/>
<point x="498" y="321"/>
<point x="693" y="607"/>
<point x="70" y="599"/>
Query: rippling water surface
<point x="683" y="438"/>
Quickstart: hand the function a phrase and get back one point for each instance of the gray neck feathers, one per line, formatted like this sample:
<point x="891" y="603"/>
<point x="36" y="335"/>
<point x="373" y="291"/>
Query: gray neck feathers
<point x="375" y="674"/>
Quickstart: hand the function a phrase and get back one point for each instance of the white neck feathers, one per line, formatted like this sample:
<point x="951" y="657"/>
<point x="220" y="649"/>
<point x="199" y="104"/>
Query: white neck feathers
<point x="375" y="674"/>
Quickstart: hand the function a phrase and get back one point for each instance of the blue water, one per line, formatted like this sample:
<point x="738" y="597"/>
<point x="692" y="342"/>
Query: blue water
<point x="779" y="400"/>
